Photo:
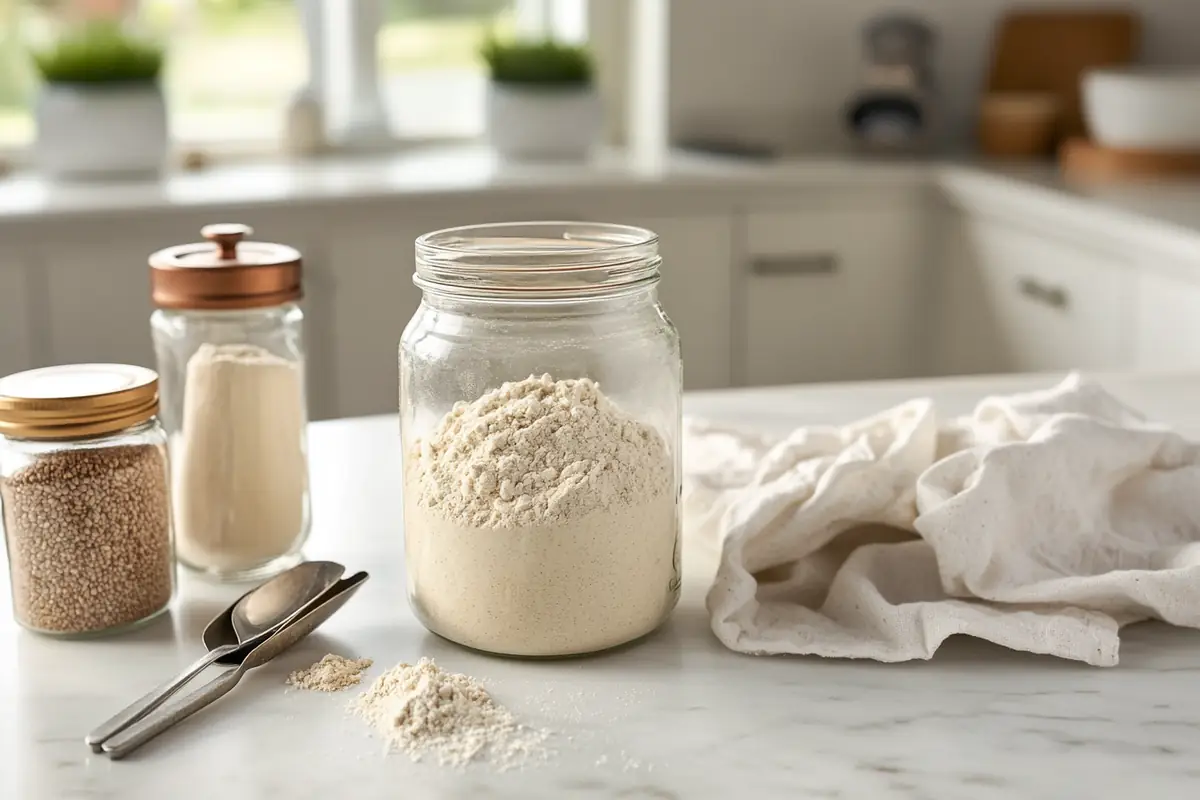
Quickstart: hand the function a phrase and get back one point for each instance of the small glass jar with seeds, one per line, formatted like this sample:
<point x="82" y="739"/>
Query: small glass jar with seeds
<point x="84" y="493"/>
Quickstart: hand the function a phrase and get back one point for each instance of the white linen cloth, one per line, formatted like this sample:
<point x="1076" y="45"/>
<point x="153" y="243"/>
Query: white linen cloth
<point x="1042" y="522"/>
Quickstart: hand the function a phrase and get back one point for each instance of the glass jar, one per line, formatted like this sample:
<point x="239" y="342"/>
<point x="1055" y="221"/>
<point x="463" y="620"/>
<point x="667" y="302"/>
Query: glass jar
<point x="84" y="490"/>
<point x="228" y="335"/>
<point x="540" y="408"/>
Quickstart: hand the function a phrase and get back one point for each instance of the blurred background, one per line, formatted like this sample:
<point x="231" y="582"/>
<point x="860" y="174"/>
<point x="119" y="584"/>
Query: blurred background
<point x="843" y="189"/>
<point x="233" y="64"/>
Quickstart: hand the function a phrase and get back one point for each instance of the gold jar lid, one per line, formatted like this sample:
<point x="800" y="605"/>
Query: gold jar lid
<point x="76" y="400"/>
<point x="225" y="272"/>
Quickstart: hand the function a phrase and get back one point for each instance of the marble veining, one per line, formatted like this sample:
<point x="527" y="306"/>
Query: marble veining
<point x="674" y="716"/>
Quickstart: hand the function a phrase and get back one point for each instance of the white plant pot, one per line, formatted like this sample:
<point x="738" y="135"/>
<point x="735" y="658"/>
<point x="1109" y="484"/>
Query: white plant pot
<point x="543" y="123"/>
<point x="91" y="131"/>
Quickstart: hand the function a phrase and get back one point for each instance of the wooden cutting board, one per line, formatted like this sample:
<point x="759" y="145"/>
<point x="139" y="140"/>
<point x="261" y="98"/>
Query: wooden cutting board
<point x="1048" y="51"/>
<point x="1084" y="159"/>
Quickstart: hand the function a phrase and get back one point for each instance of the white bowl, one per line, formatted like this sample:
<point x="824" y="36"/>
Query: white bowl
<point x="1144" y="108"/>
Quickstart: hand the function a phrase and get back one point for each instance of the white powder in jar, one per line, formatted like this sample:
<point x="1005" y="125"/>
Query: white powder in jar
<point x="239" y="464"/>
<point x="541" y="520"/>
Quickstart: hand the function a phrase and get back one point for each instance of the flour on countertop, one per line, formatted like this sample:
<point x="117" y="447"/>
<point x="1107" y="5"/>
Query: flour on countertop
<point x="420" y="709"/>
<point x="332" y="673"/>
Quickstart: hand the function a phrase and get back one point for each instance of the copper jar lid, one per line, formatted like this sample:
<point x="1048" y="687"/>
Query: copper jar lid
<point x="76" y="400"/>
<point x="230" y="275"/>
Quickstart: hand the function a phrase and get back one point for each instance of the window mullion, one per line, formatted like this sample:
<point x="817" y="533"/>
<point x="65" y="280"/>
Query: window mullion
<point x="568" y="20"/>
<point x="532" y="17"/>
<point x="354" y="105"/>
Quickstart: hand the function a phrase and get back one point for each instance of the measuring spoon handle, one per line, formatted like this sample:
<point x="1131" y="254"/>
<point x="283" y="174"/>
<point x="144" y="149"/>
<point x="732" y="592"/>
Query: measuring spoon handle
<point x="153" y="699"/>
<point x="144" y="730"/>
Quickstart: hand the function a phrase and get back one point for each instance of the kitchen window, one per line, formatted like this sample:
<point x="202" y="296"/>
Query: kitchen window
<point x="431" y="77"/>
<point x="232" y="65"/>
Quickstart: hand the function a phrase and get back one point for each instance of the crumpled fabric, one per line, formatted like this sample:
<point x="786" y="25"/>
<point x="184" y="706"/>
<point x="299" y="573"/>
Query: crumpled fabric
<point x="1042" y="522"/>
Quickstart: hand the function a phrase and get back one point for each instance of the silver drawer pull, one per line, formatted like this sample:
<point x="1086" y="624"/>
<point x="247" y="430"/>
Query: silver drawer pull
<point x="814" y="264"/>
<point x="1052" y="296"/>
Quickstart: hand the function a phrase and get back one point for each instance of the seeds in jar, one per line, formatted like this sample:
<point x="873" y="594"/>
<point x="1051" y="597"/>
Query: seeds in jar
<point x="540" y="520"/>
<point x="89" y="538"/>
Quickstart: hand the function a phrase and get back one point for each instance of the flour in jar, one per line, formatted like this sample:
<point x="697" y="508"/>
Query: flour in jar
<point x="239" y="465"/>
<point x="541" y="519"/>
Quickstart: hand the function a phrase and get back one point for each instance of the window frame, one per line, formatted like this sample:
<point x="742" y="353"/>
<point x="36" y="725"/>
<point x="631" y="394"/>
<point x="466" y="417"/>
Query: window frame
<point x="608" y="34"/>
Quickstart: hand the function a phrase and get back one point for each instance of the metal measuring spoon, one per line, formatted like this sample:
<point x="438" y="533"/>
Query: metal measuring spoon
<point x="245" y="624"/>
<point x="229" y="627"/>
<point x="321" y="609"/>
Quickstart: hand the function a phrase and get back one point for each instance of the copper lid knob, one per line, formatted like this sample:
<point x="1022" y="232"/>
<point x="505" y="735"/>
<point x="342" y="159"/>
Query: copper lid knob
<point x="226" y="235"/>
<point x="235" y="274"/>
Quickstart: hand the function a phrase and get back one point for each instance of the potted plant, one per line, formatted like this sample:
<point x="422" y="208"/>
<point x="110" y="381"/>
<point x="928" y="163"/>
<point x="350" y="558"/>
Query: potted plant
<point x="100" y="109"/>
<point x="541" y="101"/>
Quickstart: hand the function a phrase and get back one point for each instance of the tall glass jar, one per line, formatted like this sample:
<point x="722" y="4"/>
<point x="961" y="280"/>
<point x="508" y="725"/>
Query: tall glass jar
<point x="228" y="335"/>
<point x="540" y="407"/>
<point x="84" y="490"/>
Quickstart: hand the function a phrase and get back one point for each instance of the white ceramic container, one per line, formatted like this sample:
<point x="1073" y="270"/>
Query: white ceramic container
<point x="543" y="122"/>
<point x="106" y="129"/>
<point x="1144" y="108"/>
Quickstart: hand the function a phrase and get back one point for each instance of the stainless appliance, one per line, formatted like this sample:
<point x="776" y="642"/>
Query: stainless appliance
<point x="894" y="108"/>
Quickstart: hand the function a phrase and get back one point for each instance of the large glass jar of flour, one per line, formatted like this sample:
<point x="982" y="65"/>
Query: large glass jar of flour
<point x="228" y="338"/>
<point x="540" y="418"/>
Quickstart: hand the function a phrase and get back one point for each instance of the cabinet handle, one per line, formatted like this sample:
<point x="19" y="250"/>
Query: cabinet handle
<point x="814" y="264"/>
<point x="1052" y="296"/>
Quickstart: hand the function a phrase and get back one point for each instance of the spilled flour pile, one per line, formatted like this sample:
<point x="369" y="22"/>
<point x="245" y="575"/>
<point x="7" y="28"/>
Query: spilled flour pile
<point x="420" y="709"/>
<point x="332" y="673"/>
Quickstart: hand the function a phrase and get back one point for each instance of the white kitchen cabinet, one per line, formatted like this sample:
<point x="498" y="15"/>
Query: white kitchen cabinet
<point x="830" y="295"/>
<point x="1018" y="300"/>
<point x="1167" y="334"/>
<point x="319" y="326"/>
<point x="97" y="294"/>
<point x="371" y="297"/>
<point x="16" y="316"/>
<point x="769" y="283"/>
<point x="99" y="301"/>
<point x="696" y="291"/>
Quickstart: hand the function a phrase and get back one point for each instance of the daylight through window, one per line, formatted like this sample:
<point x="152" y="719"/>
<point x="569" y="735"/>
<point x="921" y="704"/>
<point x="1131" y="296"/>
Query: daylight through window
<point x="232" y="65"/>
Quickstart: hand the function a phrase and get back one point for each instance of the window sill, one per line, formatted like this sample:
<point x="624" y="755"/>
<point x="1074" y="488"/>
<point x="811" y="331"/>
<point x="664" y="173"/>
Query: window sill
<point x="240" y="151"/>
<point x="413" y="170"/>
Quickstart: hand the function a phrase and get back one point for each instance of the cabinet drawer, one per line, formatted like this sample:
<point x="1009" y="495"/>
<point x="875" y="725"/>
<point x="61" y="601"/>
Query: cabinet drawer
<point x="830" y="295"/>
<point x="697" y="253"/>
<point x="16" y="321"/>
<point x="1051" y="304"/>
<point x="1167" y="322"/>
<point x="99" y="302"/>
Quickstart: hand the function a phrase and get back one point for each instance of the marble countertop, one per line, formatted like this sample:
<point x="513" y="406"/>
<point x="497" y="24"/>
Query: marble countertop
<point x="675" y="716"/>
<point x="1162" y="215"/>
<point x="420" y="174"/>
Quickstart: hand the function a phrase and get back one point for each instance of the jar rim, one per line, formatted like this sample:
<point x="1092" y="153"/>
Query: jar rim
<point x="76" y="400"/>
<point x="537" y="260"/>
